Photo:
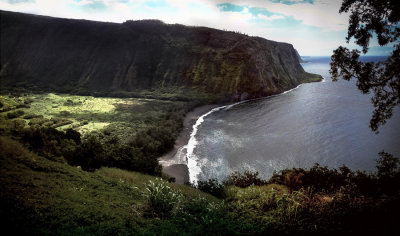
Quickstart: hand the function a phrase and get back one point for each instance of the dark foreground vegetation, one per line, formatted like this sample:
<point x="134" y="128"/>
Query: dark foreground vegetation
<point x="40" y="193"/>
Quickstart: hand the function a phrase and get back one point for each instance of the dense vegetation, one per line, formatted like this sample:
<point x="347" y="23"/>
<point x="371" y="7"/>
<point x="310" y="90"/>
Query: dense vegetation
<point x="138" y="131"/>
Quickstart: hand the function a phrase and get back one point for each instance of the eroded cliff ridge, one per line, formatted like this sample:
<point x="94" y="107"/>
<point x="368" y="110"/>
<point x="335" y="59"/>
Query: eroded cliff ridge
<point x="79" y="55"/>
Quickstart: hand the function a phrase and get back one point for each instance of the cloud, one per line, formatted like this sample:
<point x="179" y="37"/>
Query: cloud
<point x="19" y="1"/>
<point x="313" y="27"/>
<point x="291" y="2"/>
<point x="319" y="13"/>
<point x="273" y="17"/>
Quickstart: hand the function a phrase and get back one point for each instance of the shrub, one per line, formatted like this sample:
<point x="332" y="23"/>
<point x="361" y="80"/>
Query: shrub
<point x="212" y="187"/>
<point x="161" y="198"/>
<point x="74" y="135"/>
<point x="89" y="155"/>
<point x="31" y="116"/>
<point x="387" y="165"/>
<point x="35" y="138"/>
<point x="65" y="113"/>
<point x="244" y="180"/>
<point x="39" y="120"/>
<point x="15" y="114"/>
<point x="323" y="179"/>
<point x="388" y="173"/>
<point x="201" y="215"/>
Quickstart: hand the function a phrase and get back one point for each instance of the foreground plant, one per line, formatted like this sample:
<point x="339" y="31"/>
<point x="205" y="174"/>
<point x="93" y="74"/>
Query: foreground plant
<point x="162" y="199"/>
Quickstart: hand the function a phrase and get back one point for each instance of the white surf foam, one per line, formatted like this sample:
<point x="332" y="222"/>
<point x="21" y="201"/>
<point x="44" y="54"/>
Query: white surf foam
<point x="192" y="160"/>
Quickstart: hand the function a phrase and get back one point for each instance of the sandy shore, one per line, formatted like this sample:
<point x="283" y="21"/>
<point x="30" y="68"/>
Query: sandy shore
<point x="176" y="165"/>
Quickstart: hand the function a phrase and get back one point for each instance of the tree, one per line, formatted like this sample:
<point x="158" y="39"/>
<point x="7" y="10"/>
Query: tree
<point x="369" y="17"/>
<point x="387" y="165"/>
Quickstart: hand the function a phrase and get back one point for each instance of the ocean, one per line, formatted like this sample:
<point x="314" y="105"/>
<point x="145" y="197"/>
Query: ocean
<point x="325" y="123"/>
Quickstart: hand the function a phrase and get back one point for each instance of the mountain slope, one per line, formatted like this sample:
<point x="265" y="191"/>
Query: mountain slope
<point x="81" y="56"/>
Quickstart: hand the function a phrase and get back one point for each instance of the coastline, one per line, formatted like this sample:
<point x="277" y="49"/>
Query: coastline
<point x="177" y="165"/>
<point x="171" y="163"/>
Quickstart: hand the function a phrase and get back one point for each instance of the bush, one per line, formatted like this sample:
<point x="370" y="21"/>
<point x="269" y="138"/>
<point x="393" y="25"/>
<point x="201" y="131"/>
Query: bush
<point x="74" y="135"/>
<point x="323" y="179"/>
<point x="388" y="173"/>
<point x="201" y="216"/>
<point x="212" y="187"/>
<point x="31" y="116"/>
<point x="387" y="165"/>
<point x="90" y="155"/>
<point x="244" y="180"/>
<point x="161" y="198"/>
<point x="15" y="114"/>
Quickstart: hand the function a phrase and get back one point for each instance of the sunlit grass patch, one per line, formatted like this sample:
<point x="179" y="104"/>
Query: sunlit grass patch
<point x="121" y="117"/>
<point x="93" y="126"/>
<point x="50" y="104"/>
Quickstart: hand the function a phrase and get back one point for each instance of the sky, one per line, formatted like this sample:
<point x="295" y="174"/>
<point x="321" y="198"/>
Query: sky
<point x="314" y="27"/>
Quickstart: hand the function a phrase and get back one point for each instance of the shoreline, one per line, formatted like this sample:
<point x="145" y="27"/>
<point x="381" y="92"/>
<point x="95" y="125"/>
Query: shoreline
<point x="177" y="167"/>
<point x="172" y="165"/>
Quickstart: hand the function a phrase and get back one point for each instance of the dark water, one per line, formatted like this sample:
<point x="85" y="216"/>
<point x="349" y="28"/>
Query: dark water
<point x="324" y="122"/>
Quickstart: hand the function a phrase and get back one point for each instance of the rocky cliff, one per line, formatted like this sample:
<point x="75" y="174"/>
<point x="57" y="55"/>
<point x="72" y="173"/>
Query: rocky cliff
<point x="78" y="55"/>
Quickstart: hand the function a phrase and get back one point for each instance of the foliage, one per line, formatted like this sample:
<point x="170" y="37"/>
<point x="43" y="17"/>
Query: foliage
<point x="211" y="186"/>
<point x="199" y="215"/>
<point x="243" y="180"/>
<point x="43" y="196"/>
<point x="323" y="179"/>
<point x="382" y="78"/>
<point x="387" y="165"/>
<point x="196" y="214"/>
<point x="388" y="173"/>
<point x="15" y="114"/>
<point x="139" y="132"/>
<point x="163" y="200"/>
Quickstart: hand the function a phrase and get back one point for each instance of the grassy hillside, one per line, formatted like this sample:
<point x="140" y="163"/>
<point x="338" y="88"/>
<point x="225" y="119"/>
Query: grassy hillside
<point x="48" y="197"/>
<point x="40" y="196"/>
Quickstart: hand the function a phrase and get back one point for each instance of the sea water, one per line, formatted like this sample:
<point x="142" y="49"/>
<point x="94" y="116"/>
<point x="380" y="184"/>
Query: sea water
<point x="325" y="123"/>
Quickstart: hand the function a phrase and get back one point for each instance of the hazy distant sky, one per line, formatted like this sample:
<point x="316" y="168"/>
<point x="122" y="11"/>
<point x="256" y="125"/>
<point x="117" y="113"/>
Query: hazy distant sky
<point x="314" y="27"/>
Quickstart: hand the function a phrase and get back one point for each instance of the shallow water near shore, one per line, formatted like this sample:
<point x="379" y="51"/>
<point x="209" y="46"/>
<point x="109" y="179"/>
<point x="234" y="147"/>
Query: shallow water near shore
<point x="325" y="123"/>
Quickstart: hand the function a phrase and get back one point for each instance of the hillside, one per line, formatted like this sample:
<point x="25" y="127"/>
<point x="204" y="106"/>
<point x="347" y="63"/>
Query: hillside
<point x="86" y="57"/>
<point x="43" y="197"/>
<point x="40" y="196"/>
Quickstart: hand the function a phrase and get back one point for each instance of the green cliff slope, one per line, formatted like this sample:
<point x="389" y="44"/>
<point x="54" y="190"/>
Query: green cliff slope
<point x="79" y="56"/>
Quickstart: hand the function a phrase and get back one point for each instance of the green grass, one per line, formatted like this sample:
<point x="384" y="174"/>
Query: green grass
<point x="121" y="116"/>
<point x="50" y="197"/>
<point x="140" y="180"/>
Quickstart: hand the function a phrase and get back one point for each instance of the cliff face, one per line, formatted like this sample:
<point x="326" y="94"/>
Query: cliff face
<point x="83" y="55"/>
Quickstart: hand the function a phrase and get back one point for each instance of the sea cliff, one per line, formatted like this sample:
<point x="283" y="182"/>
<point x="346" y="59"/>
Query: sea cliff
<point x="80" y="57"/>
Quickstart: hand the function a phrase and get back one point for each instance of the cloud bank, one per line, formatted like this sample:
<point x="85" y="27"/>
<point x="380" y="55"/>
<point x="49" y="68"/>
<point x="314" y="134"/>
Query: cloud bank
<point x="314" y="27"/>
